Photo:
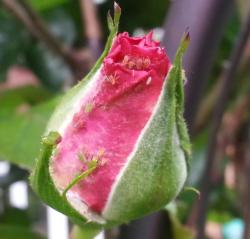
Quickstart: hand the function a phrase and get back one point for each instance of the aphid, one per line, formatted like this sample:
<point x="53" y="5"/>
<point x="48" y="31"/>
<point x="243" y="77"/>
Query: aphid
<point x="125" y="60"/>
<point x="146" y="62"/>
<point x="78" y="122"/>
<point x="136" y="62"/>
<point x="100" y="152"/>
<point x="149" y="80"/>
<point x="131" y="64"/>
<point x="112" y="78"/>
<point x="92" y="165"/>
<point x="139" y="63"/>
<point x="81" y="156"/>
<point x="88" y="107"/>
<point x="97" y="158"/>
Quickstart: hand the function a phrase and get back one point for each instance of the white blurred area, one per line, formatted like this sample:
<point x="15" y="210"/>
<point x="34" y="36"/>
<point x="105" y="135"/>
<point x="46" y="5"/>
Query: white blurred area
<point x="57" y="224"/>
<point x="4" y="168"/>
<point x="158" y="33"/>
<point x="99" y="2"/>
<point x="100" y="236"/>
<point x="18" y="195"/>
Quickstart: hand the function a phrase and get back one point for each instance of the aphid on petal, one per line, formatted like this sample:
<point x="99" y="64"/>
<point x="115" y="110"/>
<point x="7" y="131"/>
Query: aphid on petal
<point x="146" y="62"/>
<point x="125" y="60"/>
<point x="149" y="80"/>
<point x="113" y="78"/>
<point x="89" y="107"/>
<point x="131" y="64"/>
<point x="139" y="63"/>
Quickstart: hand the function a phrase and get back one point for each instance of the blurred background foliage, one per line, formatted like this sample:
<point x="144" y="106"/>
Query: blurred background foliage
<point x="32" y="77"/>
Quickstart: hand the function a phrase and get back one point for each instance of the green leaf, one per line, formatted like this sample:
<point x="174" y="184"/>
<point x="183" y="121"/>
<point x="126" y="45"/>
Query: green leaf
<point x="15" y="217"/>
<point x="13" y="98"/>
<point x="14" y="232"/>
<point x="21" y="132"/>
<point x="42" y="5"/>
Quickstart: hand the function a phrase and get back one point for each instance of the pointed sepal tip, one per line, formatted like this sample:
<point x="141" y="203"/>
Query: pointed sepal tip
<point x="110" y="21"/>
<point x="113" y="23"/>
<point x="52" y="138"/>
<point x="185" y="40"/>
<point x="117" y="13"/>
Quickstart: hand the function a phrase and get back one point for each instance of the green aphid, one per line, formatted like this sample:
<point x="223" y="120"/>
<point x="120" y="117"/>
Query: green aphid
<point x="81" y="156"/>
<point x="88" y="107"/>
<point x="91" y="166"/>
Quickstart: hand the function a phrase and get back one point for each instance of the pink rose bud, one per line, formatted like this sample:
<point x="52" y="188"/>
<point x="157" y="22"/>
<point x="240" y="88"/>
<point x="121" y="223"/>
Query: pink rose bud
<point x="117" y="144"/>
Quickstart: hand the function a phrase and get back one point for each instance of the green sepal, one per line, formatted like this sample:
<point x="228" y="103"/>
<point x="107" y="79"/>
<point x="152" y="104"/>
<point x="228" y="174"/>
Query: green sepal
<point x="40" y="179"/>
<point x="42" y="184"/>
<point x="113" y="24"/>
<point x="117" y="14"/>
<point x="157" y="170"/>
<point x="179" y="89"/>
<point x="110" y="21"/>
<point x="192" y="189"/>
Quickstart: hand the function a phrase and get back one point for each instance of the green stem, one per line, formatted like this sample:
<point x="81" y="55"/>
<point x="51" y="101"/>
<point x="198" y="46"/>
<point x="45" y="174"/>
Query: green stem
<point x="83" y="232"/>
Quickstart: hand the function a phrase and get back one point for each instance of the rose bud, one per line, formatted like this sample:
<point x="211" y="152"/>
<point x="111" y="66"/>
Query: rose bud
<point x="116" y="147"/>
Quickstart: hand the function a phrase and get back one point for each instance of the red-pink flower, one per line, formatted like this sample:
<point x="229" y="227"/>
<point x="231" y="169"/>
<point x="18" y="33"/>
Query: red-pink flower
<point x="121" y="102"/>
<point x="120" y="153"/>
